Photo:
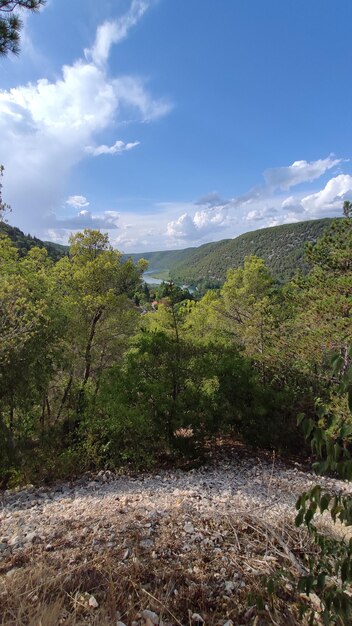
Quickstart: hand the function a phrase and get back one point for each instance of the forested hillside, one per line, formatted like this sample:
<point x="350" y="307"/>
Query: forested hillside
<point x="24" y="243"/>
<point x="281" y="247"/>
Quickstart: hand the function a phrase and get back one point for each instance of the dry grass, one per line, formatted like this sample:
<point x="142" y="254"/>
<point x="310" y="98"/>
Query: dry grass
<point x="175" y="580"/>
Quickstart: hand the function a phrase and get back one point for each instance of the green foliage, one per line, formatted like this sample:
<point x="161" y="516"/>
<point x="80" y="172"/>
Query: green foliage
<point x="91" y="375"/>
<point x="323" y="307"/>
<point x="172" y="292"/>
<point x="171" y="394"/>
<point x="24" y="243"/>
<point x="62" y="325"/>
<point x="11" y="23"/>
<point x="330" y="572"/>
<point x="281" y="247"/>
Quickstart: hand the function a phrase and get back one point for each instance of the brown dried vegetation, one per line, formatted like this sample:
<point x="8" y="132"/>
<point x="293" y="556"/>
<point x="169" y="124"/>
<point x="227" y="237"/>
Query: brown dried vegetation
<point x="219" y="579"/>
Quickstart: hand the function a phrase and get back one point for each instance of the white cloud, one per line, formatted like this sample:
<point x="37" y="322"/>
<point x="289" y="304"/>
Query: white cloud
<point x="111" y="33"/>
<point x="118" y="147"/>
<point x="133" y="93"/>
<point x="331" y="197"/>
<point x="263" y="205"/>
<point x="327" y="201"/>
<point x="206" y="219"/>
<point x="292" y="204"/>
<point x="210" y="200"/>
<point x="168" y="225"/>
<point x="182" y="228"/>
<point x="260" y="214"/>
<point x="77" y="201"/>
<point x="46" y="126"/>
<point x="209" y="219"/>
<point x="299" y="172"/>
<point x="108" y="220"/>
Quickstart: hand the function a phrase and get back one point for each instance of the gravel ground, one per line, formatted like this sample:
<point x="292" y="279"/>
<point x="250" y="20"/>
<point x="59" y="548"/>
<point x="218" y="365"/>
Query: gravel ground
<point x="190" y="524"/>
<point x="98" y="507"/>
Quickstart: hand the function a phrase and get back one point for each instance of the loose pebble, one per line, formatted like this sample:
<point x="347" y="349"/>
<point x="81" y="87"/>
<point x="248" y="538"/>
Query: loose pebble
<point x="93" y="603"/>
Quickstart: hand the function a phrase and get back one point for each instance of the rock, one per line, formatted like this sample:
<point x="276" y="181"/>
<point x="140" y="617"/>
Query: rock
<point x="15" y="541"/>
<point x="32" y="537"/>
<point x="146" y="544"/>
<point x="188" y="528"/>
<point x="250" y="613"/>
<point x="197" y="618"/>
<point x="92" y="602"/>
<point x="229" y="586"/>
<point x="126" y="554"/>
<point x="118" y="623"/>
<point x="150" y="616"/>
<point x="228" y="623"/>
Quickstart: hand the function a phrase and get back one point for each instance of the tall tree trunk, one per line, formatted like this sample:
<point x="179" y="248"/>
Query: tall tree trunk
<point x="48" y="408"/>
<point x="65" y="396"/>
<point x="88" y="358"/>
<point x="12" y="412"/>
<point x="99" y="375"/>
<point x="42" y="419"/>
<point x="88" y="352"/>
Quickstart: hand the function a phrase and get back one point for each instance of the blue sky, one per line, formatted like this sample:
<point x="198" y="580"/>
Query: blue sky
<point x="170" y="123"/>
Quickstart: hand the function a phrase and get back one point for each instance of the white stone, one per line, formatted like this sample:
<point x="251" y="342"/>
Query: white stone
<point x="188" y="528"/>
<point x="197" y="618"/>
<point x="92" y="602"/>
<point x="229" y="586"/>
<point x="150" y="616"/>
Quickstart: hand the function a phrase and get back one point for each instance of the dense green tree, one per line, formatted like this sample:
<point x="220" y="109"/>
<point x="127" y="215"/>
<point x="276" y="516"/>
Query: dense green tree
<point x="323" y="301"/>
<point x="248" y="300"/>
<point x="172" y="292"/>
<point x="96" y="289"/>
<point x="170" y="395"/>
<point x="21" y="312"/>
<point x="28" y="336"/>
<point x="61" y="326"/>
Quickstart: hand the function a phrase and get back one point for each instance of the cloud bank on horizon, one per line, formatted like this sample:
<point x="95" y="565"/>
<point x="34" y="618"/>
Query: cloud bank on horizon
<point x="266" y="205"/>
<point x="49" y="127"/>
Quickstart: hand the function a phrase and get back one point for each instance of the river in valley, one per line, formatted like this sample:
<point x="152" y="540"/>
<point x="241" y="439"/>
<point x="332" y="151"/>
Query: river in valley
<point x="152" y="280"/>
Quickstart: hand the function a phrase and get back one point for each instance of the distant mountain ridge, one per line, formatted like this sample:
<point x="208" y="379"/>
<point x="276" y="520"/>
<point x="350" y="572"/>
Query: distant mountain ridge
<point x="282" y="248"/>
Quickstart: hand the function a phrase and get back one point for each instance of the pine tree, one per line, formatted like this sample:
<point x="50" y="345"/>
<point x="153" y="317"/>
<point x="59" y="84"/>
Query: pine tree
<point x="11" y="23"/>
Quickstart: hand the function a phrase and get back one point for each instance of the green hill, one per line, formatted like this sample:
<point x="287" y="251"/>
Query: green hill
<point x="26" y="242"/>
<point x="282" y="248"/>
